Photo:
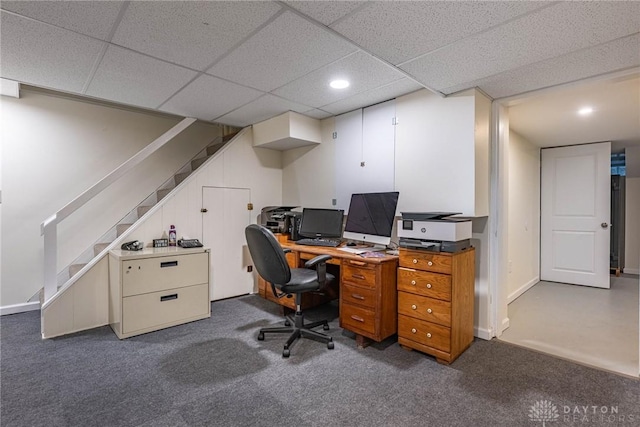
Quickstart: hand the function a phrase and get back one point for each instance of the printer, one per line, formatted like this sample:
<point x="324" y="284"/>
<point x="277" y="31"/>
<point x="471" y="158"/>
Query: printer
<point x="434" y="231"/>
<point x="275" y="218"/>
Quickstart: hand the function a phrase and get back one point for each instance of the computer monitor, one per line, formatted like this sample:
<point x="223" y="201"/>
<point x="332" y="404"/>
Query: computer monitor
<point x="370" y="217"/>
<point x="321" y="222"/>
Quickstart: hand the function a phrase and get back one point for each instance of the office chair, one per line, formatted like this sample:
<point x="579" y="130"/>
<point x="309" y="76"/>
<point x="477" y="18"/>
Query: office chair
<point x="271" y="263"/>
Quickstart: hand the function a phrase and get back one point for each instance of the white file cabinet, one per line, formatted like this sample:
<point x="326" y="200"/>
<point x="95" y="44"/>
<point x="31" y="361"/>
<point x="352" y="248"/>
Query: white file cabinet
<point x="156" y="288"/>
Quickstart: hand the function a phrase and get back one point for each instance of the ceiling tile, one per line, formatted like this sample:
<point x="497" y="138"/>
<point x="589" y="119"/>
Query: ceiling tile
<point x="93" y="18"/>
<point x="317" y="114"/>
<point x="361" y="70"/>
<point x="374" y="96"/>
<point x="209" y="97"/>
<point x="287" y="48"/>
<point x="616" y="55"/>
<point x="326" y="12"/>
<point x="399" y="31"/>
<point x="190" y="33"/>
<point x="43" y="55"/>
<point x="131" y="78"/>
<point x="544" y="34"/>
<point x="263" y="108"/>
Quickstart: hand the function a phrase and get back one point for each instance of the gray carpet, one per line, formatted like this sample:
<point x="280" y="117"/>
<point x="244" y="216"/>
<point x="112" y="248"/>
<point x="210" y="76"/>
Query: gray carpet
<point x="214" y="372"/>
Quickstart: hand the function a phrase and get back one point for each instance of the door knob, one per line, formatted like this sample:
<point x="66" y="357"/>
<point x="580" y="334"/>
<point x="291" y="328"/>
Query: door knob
<point x="604" y="225"/>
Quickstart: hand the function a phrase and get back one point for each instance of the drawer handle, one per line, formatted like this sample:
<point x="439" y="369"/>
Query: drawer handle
<point x="429" y="263"/>
<point x="413" y="330"/>
<point x="414" y="307"/>
<point x="428" y="285"/>
<point x="357" y="318"/>
<point x="360" y="263"/>
<point x="358" y="276"/>
<point x="428" y="334"/>
<point x="413" y="282"/>
<point x="169" y="264"/>
<point x="357" y="296"/>
<point x="415" y="261"/>
<point x="429" y="311"/>
<point x="168" y="297"/>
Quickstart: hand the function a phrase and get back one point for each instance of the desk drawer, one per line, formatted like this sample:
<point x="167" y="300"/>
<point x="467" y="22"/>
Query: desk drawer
<point x="356" y="318"/>
<point x="359" y="296"/>
<point x="426" y="333"/>
<point x="146" y="275"/>
<point x="153" y="310"/>
<point x="362" y="275"/>
<point x="427" y="261"/>
<point x="429" y="309"/>
<point x="433" y="285"/>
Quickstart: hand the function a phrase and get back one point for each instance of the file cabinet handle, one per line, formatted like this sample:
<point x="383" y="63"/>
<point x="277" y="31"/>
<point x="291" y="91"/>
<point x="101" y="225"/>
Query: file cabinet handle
<point x="169" y="264"/>
<point x="168" y="297"/>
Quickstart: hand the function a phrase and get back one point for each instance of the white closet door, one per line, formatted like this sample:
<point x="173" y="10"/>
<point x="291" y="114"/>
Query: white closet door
<point x="365" y="150"/>
<point x="223" y="231"/>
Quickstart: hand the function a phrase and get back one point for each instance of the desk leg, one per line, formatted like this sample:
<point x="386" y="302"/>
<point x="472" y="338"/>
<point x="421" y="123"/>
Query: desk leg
<point x="362" y="341"/>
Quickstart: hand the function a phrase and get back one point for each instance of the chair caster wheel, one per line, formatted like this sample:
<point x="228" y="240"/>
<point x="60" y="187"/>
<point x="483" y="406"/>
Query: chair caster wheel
<point x="325" y="327"/>
<point x="287" y="323"/>
<point x="286" y="352"/>
<point x="330" y="345"/>
<point x="261" y="336"/>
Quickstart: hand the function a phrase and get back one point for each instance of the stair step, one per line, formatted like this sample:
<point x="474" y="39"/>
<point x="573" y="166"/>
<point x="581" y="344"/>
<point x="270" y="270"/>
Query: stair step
<point x="74" y="268"/>
<point x="121" y="228"/>
<point x="179" y="177"/>
<point x="144" y="209"/>
<point x="228" y="137"/>
<point x="212" y="149"/>
<point x="99" y="247"/>
<point x="195" y="164"/>
<point x="162" y="193"/>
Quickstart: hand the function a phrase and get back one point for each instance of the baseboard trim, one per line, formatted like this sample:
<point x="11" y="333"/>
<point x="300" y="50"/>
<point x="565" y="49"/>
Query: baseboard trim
<point x="631" y="270"/>
<point x="521" y="290"/>
<point x="483" y="333"/>
<point x="19" y="308"/>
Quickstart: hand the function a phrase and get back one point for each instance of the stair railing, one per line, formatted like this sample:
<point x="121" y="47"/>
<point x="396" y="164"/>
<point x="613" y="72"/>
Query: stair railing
<point x="49" y="227"/>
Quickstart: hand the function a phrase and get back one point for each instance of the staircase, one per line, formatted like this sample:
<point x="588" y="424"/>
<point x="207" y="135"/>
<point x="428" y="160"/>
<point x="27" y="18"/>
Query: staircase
<point x="139" y="212"/>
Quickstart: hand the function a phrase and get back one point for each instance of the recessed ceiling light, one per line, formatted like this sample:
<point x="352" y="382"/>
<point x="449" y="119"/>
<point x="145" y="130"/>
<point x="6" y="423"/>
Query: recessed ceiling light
<point x="585" y="111"/>
<point x="339" y="84"/>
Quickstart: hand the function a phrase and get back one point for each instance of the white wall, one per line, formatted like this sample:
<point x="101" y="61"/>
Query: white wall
<point x="632" y="226"/>
<point x="54" y="148"/>
<point x="308" y="173"/>
<point x="524" y="216"/>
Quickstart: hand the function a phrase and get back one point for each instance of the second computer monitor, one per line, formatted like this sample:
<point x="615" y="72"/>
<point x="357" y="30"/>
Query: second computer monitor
<point x="321" y="222"/>
<point x="371" y="216"/>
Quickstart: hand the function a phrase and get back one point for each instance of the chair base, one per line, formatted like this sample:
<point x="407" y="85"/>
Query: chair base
<point x="298" y="329"/>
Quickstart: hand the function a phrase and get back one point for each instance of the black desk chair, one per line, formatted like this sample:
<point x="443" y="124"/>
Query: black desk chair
<point x="271" y="263"/>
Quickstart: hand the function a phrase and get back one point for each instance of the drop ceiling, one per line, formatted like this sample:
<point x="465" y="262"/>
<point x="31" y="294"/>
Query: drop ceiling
<point x="241" y="62"/>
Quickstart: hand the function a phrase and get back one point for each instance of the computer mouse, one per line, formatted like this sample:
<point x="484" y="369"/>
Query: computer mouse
<point x="351" y="244"/>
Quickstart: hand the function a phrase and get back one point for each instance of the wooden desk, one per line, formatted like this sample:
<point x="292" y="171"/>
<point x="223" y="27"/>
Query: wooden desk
<point x="366" y="288"/>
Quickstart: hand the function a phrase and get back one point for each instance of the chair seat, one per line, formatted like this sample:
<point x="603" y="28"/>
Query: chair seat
<point x="303" y="280"/>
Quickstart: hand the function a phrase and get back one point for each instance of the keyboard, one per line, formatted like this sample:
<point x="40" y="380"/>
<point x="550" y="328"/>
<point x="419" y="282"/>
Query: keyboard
<point x="319" y="242"/>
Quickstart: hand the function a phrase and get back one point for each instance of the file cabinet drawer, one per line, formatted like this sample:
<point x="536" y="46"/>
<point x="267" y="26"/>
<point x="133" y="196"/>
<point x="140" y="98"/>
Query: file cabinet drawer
<point x="427" y="261"/>
<point x="146" y="275"/>
<point x="356" y="318"/>
<point x="425" y="333"/>
<point x="429" y="309"/>
<point x="433" y="285"/>
<point x="157" y="309"/>
<point x="359" y="296"/>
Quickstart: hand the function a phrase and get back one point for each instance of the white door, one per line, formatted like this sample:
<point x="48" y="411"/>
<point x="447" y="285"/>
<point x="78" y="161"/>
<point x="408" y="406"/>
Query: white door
<point x="575" y="213"/>
<point x="223" y="231"/>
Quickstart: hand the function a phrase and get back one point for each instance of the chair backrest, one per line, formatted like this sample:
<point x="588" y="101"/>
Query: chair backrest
<point x="267" y="255"/>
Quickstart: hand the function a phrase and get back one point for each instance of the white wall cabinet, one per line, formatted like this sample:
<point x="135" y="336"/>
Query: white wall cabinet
<point x="365" y="145"/>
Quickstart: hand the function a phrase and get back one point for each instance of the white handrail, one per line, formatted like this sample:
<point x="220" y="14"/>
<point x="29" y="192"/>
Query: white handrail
<point x="49" y="227"/>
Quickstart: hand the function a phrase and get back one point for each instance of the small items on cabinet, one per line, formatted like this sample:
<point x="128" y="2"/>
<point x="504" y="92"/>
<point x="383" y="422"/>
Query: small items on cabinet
<point x="435" y="302"/>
